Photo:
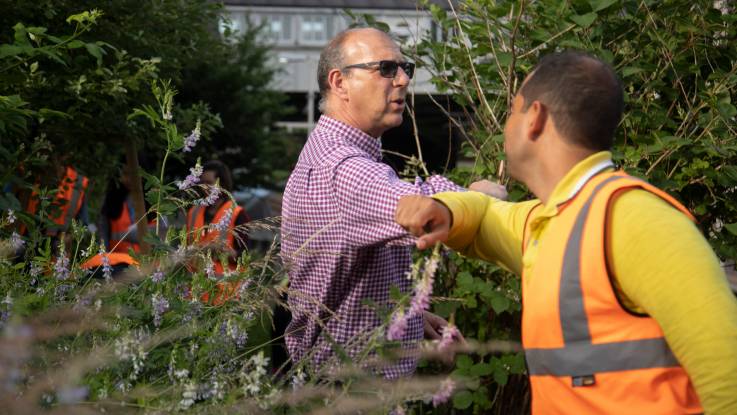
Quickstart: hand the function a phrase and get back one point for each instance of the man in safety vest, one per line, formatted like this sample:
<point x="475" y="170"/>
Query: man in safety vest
<point x="118" y="227"/>
<point x="625" y="307"/>
<point x="217" y="218"/>
<point x="69" y="202"/>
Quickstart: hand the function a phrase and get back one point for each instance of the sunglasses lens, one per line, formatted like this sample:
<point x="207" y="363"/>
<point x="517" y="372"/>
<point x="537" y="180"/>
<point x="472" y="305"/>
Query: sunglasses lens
<point x="408" y="68"/>
<point x="388" y="69"/>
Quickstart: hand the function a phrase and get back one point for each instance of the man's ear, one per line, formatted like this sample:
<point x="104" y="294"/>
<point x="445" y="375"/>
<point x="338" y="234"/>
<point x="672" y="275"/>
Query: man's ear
<point x="336" y="80"/>
<point x="536" y="117"/>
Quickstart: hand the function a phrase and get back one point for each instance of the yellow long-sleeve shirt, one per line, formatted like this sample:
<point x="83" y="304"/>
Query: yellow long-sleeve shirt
<point x="662" y="266"/>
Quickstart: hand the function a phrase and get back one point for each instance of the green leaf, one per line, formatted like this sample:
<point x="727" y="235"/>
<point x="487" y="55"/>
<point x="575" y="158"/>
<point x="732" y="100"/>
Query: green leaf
<point x="597" y="5"/>
<point x="74" y="44"/>
<point x="95" y="51"/>
<point x="630" y="70"/>
<point x="731" y="227"/>
<point x="11" y="50"/>
<point x="464" y="362"/>
<point x="394" y="293"/>
<point x="481" y="397"/>
<point x="504" y="58"/>
<point x="727" y="110"/>
<point x="462" y="400"/>
<point x="482" y="369"/>
<point x="584" y="20"/>
<point x="501" y="377"/>
<point x="500" y="303"/>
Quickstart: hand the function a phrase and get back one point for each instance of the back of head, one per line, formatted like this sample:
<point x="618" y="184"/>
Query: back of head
<point x="222" y="172"/>
<point x="582" y="94"/>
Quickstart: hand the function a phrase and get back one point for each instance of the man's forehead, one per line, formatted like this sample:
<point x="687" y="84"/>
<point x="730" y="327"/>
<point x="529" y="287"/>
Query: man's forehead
<point x="370" y="42"/>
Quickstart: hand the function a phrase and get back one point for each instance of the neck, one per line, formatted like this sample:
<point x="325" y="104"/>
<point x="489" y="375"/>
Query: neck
<point x="551" y="168"/>
<point x="342" y="115"/>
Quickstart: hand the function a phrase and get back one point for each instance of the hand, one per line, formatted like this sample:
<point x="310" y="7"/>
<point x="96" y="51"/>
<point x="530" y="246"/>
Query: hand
<point x="425" y="218"/>
<point x="490" y="188"/>
<point x="433" y="325"/>
<point x="433" y="331"/>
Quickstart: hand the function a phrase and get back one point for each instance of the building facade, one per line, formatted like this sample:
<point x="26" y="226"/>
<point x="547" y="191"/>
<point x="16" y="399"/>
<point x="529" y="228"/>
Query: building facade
<point x="298" y="30"/>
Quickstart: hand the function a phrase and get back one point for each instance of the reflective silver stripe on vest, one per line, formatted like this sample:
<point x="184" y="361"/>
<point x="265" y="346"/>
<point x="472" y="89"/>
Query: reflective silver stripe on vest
<point x="579" y="357"/>
<point x="72" y="209"/>
<point x="573" y="318"/>
<point x="582" y="359"/>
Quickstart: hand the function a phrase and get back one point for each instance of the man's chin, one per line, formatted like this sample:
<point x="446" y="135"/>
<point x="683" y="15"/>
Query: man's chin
<point x="395" y="120"/>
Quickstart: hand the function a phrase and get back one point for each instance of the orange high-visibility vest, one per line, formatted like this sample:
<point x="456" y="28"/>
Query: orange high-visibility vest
<point x="199" y="232"/>
<point x="119" y="229"/>
<point x="69" y="200"/>
<point x="115" y="258"/>
<point x="585" y="353"/>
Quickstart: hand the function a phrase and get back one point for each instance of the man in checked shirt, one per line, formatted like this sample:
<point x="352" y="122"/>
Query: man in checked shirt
<point x="340" y="244"/>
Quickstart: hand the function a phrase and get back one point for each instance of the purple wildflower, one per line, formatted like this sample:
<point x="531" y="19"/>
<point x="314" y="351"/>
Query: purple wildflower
<point x="107" y="270"/>
<point x="193" y="177"/>
<point x="157" y="276"/>
<point x="398" y="326"/>
<point x="239" y="336"/>
<point x="7" y="306"/>
<point x="450" y="332"/>
<point x="211" y="198"/>
<point x="224" y="223"/>
<point x="194" y="311"/>
<point x="35" y="270"/>
<point x="423" y="290"/>
<point x="61" y="268"/>
<point x="16" y="241"/>
<point x="444" y="393"/>
<point x="61" y="291"/>
<point x="11" y="216"/>
<point x="159" y="305"/>
<point x="210" y="269"/>
<point x="191" y="140"/>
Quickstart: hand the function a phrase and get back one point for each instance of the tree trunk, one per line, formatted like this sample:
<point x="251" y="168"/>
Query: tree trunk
<point x="137" y="194"/>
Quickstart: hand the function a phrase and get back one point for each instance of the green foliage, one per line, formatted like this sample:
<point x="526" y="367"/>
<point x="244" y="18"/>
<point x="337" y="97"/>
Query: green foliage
<point x="234" y="80"/>
<point x="678" y="64"/>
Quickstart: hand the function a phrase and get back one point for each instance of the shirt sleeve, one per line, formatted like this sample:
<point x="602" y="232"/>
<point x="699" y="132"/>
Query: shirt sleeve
<point x="368" y="193"/>
<point x="671" y="273"/>
<point x="487" y="228"/>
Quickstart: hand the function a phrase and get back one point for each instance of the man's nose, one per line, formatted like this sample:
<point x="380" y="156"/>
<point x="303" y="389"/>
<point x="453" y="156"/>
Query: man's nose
<point x="401" y="79"/>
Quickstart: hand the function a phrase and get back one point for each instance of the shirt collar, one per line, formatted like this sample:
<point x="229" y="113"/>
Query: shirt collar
<point x="351" y="136"/>
<point x="577" y="177"/>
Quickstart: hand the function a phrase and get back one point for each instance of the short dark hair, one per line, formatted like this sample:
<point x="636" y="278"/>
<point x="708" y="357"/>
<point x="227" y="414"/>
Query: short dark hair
<point x="582" y="93"/>
<point x="222" y="172"/>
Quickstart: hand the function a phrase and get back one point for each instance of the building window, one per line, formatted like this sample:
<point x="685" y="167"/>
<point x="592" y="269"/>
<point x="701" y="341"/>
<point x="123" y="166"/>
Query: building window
<point x="233" y="21"/>
<point x="315" y="29"/>
<point x="277" y="27"/>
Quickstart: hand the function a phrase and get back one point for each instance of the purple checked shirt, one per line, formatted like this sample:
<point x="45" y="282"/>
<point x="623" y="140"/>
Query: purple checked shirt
<point x="341" y="246"/>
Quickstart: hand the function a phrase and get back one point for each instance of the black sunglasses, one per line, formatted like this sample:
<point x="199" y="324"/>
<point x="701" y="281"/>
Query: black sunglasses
<point x="387" y="69"/>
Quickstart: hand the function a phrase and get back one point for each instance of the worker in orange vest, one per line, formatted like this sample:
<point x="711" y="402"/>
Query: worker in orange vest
<point x="626" y="309"/>
<point x="69" y="203"/>
<point x="118" y="227"/>
<point x="216" y="218"/>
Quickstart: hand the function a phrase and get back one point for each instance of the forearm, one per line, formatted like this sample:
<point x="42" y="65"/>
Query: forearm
<point x="368" y="193"/>
<point x="487" y="228"/>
